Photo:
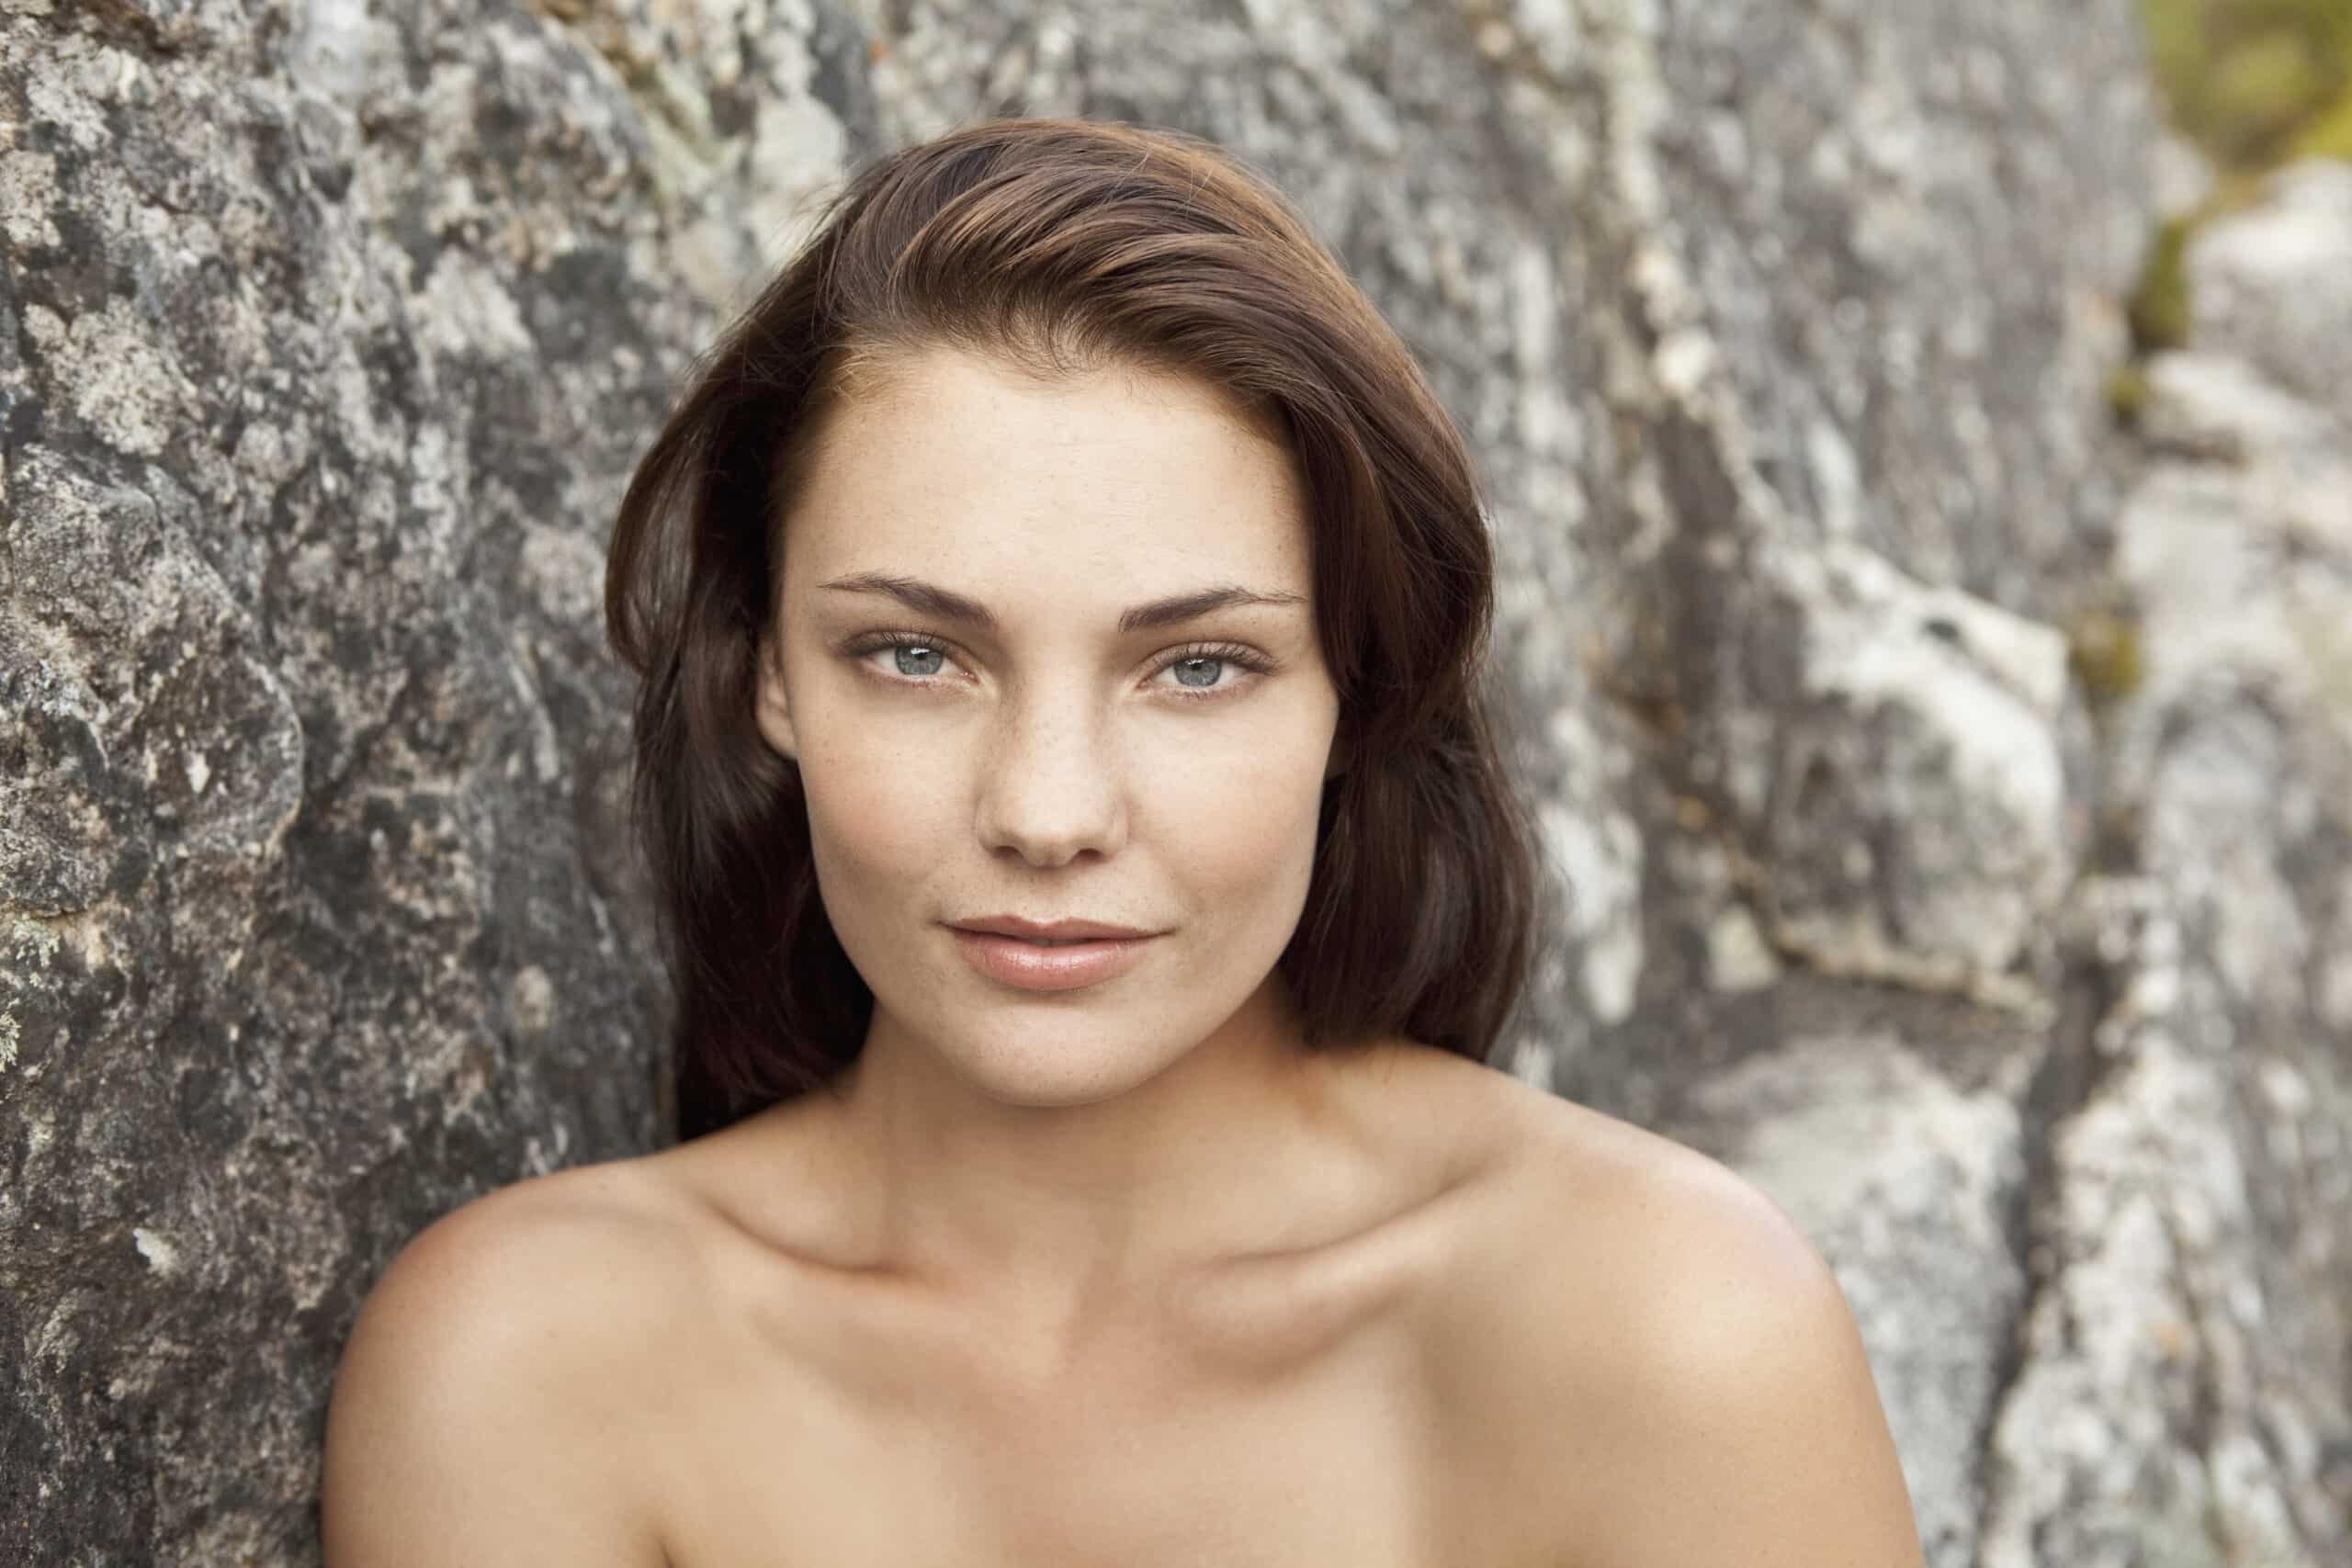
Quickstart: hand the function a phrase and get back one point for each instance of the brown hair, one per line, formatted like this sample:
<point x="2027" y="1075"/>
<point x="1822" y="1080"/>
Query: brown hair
<point x="1059" y="246"/>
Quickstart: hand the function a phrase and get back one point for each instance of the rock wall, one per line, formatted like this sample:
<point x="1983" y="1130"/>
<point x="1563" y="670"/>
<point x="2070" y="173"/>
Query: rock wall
<point x="2181" y="1395"/>
<point x="333" y="331"/>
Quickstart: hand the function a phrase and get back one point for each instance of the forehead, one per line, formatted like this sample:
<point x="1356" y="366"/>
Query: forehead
<point x="1092" y="488"/>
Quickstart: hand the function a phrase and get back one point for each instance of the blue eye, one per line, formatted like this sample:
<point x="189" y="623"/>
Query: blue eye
<point x="918" y="659"/>
<point x="1215" y="667"/>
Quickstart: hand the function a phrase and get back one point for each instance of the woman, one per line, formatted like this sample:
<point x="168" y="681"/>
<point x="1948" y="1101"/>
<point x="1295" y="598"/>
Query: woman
<point x="1092" y="894"/>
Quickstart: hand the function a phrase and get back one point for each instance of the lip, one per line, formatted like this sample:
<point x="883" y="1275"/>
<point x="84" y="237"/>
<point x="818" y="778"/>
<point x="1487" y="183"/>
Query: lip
<point x="1058" y="930"/>
<point x="1012" y="960"/>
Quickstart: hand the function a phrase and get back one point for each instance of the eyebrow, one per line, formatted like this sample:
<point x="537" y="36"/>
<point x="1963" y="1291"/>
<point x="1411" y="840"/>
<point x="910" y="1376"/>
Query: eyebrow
<point x="930" y="599"/>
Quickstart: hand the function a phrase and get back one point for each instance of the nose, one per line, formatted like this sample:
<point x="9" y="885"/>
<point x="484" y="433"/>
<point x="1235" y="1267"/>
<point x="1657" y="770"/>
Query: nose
<point x="1050" y="786"/>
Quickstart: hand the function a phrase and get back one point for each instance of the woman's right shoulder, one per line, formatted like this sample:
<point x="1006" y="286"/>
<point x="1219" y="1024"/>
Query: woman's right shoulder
<point x="494" y="1365"/>
<point x="588" y="1216"/>
<point x="558" y="1261"/>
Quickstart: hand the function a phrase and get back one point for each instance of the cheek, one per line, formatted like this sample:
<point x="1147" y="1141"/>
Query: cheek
<point x="877" y="809"/>
<point x="1236" y="813"/>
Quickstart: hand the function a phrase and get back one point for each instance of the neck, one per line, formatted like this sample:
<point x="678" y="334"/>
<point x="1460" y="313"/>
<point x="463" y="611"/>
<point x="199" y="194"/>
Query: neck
<point x="1055" y="1212"/>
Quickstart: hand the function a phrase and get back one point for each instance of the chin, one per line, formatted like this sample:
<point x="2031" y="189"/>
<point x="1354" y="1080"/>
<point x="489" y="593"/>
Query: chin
<point x="1089" y="1058"/>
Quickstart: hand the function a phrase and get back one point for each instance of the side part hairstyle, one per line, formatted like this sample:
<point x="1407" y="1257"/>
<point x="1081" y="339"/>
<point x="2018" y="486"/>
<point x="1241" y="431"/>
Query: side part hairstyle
<point x="1053" y="248"/>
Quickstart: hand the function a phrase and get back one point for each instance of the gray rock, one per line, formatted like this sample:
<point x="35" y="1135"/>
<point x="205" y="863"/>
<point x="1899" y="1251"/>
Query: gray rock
<point x="1917" y="820"/>
<point x="2182" y="1386"/>
<point x="2184" y="175"/>
<point x="2268" y="284"/>
<point x="1853" y="209"/>
<point x="2216" y="407"/>
<point x="2180" y="1397"/>
<point x="310" y="923"/>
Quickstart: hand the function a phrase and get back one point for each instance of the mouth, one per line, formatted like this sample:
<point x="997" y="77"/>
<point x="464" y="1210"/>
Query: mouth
<point x="1048" y="963"/>
<point x="1050" y="933"/>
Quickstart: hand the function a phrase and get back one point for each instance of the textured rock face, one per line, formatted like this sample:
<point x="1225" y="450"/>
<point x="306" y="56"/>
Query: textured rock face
<point x="2187" y="1358"/>
<point x="333" y="329"/>
<point x="316" y="389"/>
<point x="2270" y="289"/>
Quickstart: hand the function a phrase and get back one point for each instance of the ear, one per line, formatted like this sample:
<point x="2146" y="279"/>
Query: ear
<point x="771" y="708"/>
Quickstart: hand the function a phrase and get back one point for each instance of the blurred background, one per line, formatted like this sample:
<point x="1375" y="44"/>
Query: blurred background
<point x="1916" y="434"/>
<point x="2256" y="81"/>
<point x="2246" y="86"/>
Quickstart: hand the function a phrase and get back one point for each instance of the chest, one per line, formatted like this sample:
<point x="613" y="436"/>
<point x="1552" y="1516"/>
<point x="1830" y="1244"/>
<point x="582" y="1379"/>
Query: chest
<point x="1345" y="1463"/>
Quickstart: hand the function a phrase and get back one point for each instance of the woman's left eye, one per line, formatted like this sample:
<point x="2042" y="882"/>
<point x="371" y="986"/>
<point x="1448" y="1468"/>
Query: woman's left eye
<point x="918" y="653"/>
<point x="1198" y="671"/>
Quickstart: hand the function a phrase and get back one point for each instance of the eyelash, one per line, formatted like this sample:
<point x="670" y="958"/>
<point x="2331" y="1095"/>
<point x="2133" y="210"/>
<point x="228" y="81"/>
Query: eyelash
<point x="1222" y="652"/>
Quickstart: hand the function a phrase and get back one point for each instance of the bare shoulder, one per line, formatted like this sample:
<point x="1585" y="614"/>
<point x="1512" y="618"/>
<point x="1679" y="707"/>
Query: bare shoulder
<point x="486" y="1394"/>
<point x="1666" y="1335"/>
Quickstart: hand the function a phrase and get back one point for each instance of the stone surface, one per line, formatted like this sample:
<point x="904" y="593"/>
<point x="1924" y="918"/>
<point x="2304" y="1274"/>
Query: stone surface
<point x="333" y="330"/>
<point x="316" y="393"/>
<point x="2186" y="1360"/>
<point x="2269" y="287"/>
<point x="1917" y="812"/>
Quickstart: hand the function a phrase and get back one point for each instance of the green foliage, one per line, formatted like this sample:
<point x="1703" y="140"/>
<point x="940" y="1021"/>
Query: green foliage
<point x="2254" y="82"/>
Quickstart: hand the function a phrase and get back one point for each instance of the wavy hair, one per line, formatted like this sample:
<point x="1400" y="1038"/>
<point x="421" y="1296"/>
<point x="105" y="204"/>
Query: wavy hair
<point x="1055" y="247"/>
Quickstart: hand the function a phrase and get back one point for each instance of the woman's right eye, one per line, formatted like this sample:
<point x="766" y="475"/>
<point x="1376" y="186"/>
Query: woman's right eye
<point x="912" y="657"/>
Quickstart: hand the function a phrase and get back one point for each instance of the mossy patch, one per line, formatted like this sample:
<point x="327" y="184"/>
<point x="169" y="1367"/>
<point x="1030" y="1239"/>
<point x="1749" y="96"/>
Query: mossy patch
<point x="2249" y="81"/>
<point x="2159" y="308"/>
<point x="2105" y="653"/>
<point x="2128" y="392"/>
<point x="2330" y="136"/>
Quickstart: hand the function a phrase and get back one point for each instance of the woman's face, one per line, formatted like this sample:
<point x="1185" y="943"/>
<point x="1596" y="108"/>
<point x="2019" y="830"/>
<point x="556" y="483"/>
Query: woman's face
<point x="1024" y="753"/>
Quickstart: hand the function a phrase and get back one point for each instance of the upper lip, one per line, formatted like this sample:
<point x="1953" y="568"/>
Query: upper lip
<point x="1054" y="930"/>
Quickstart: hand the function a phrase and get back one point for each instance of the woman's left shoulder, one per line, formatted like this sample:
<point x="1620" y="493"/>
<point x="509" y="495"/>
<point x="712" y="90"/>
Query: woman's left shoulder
<point x="1613" y="1226"/>
<point x="1666" y="1330"/>
<point x="1685" y="1233"/>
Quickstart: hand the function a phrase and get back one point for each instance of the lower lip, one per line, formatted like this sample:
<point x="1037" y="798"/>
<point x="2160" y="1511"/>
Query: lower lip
<point x="1012" y="962"/>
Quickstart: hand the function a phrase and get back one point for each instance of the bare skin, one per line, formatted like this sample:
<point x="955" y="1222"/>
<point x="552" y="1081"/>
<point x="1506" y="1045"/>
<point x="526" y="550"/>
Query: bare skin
<point x="1505" y="1331"/>
<point x="1268" y="1407"/>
